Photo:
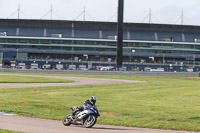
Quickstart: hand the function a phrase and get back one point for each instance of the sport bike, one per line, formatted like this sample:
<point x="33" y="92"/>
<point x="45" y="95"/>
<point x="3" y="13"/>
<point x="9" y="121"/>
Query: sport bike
<point x="87" y="117"/>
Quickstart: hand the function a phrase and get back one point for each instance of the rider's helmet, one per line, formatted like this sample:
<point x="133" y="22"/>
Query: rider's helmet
<point x="93" y="100"/>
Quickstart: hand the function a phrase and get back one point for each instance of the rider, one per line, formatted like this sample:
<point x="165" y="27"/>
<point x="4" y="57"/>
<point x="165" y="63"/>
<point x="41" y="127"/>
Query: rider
<point x="86" y="105"/>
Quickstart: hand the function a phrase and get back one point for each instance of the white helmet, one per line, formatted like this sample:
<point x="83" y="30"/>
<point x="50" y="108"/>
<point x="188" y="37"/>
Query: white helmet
<point x="93" y="100"/>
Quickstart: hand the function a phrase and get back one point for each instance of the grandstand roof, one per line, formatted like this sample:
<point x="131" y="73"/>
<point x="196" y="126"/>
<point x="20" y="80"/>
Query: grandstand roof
<point x="96" y="25"/>
<point x="98" y="30"/>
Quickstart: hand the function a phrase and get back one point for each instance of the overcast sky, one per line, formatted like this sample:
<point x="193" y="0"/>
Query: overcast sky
<point x="163" y="11"/>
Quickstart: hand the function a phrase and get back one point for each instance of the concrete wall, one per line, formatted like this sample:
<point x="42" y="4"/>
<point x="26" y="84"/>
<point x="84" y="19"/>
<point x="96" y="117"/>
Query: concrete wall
<point x="128" y="73"/>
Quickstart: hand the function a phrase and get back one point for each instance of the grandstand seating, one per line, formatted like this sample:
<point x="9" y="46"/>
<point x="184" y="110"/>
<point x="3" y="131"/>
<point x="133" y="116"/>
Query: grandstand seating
<point x="87" y="33"/>
<point x="66" y="33"/>
<point x="139" y="50"/>
<point x="109" y="34"/>
<point x="37" y="32"/>
<point x="190" y="37"/>
<point x="167" y="36"/>
<point x="142" y="35"/>
<point x="10" y="31"/>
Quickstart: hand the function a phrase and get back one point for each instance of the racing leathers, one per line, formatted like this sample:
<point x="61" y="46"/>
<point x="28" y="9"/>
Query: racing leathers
<point x="86" y="105"/>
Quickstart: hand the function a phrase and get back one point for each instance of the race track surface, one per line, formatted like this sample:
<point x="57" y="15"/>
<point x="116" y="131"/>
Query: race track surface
<point x="35" y="125"/>
<point x="78" y="81"/>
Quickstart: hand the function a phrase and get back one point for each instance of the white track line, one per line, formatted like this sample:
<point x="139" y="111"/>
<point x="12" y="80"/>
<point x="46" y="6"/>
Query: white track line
<point x="2" y="113"/>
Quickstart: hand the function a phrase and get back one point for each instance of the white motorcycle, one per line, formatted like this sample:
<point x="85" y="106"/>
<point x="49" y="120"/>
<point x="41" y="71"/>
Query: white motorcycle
<point x="87" y="118"/>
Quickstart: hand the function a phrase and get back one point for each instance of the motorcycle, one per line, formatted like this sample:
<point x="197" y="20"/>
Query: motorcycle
<point x="87" y="117"/>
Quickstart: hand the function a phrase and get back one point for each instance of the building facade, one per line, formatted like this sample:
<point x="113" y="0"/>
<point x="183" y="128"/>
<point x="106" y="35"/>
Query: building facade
<point x="172" y="47"/>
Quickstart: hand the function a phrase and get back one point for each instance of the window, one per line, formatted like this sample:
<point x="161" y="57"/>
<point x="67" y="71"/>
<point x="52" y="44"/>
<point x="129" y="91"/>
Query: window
<point x="89" y="43"/>
<point x="12" y="40"/>
<point x="145" y="45"/>
<point x="156" y="46"/>
<point x="67" y="42"/>
<point x="45" y="41"/>
<point x="178" y="46"/>
<point x="33" y="41"/>
<point x="189" y="46"/>
<point x="167" y="45"/>
<point x="78" y="42"/>
<point x="22" y="40"/>
<point x="2" y="40"/>
<point x="56" y="41"/>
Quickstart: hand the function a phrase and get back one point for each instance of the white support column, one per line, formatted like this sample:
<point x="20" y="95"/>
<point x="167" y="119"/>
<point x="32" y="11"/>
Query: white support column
<point x="128" y="35"/>
<point x="17" y="31"/>
<point x="45" y="32"/>
<point x="73" y="33"/>
<point x="183" y="37"/>
<point x="156" y="36"/>
<point x="100" y="34"/>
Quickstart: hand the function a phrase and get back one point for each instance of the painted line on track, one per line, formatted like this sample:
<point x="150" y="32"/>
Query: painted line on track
<point x="2" y="113"/>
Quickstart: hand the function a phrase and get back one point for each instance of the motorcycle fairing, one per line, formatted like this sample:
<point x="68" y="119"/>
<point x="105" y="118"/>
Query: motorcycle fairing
<point x="82" y="114"/>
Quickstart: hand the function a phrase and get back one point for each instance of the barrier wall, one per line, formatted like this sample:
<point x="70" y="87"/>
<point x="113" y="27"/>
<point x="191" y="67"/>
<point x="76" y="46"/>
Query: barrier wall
<point x="88" y="72"/>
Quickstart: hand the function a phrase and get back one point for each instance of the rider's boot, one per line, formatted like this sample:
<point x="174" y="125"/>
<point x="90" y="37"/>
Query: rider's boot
<point x="73" y="114"/>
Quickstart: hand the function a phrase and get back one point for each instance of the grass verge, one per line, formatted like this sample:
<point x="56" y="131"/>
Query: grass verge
<point x="7" y="131"/>
<point x="21" y="79"/>
<point x="161" y="103"/>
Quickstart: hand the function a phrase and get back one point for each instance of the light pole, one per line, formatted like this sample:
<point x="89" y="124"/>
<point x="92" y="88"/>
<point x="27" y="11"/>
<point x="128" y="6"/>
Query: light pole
<point x="120" y="34"/>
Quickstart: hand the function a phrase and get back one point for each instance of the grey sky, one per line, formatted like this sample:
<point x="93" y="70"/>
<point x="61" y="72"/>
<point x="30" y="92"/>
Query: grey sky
<point x="163" y="11"/>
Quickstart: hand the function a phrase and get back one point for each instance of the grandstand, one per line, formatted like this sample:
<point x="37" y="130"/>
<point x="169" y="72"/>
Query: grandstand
<point x="93" y="44"/>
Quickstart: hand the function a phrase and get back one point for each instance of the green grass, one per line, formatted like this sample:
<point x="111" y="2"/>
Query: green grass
<point x="161" y="102"/>
<point x="7" y="131"/>
<point x="21" y="79"/>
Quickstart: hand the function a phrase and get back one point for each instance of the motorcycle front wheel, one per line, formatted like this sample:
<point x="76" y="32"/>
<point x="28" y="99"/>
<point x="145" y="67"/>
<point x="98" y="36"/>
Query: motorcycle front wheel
<point x="90" y="121"/>
<point x="67" y="120"/>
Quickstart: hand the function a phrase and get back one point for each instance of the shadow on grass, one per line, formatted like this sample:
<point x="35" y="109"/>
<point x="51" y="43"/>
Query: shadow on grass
<point x="195" y="118"/>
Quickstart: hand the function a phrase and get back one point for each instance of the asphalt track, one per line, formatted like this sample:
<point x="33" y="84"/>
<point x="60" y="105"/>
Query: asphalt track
<point x="35" y="125"/>
<point x="78" y="81"/>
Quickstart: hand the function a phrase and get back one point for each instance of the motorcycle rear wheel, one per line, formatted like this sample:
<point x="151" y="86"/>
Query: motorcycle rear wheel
<point x="90" y="121"/>
<point x="67" y="120"/>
